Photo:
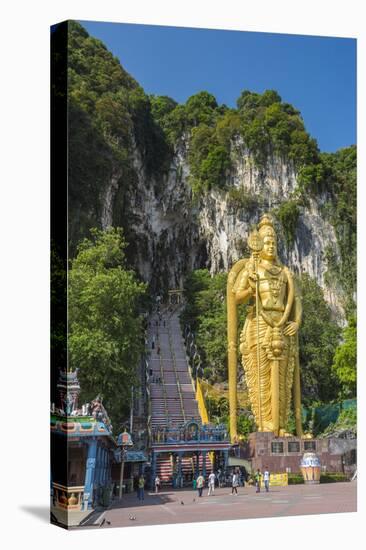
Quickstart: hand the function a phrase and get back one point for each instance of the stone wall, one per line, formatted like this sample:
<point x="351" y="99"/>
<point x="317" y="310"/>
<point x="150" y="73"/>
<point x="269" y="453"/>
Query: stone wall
<point x="259" y="451"/>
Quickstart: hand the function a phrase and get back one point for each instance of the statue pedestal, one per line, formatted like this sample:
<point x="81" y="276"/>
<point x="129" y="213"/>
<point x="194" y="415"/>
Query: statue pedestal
<point x="283" y="454"/>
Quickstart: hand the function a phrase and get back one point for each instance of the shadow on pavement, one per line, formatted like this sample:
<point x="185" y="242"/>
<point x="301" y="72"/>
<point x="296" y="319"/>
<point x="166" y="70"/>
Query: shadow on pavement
<point x="132" y="501"/>
<point x="40" y="512"/>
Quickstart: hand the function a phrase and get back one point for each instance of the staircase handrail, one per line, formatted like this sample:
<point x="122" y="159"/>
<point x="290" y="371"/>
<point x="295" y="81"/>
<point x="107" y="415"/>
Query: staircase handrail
<point x="148" y="424"/>
<point x="175" y="371"/>
<point x="163" y="384"/>
<point x="190" y="357"/>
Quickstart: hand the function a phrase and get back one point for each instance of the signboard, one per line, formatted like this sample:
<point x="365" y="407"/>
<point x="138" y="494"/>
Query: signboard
<point x="135" y="456"/>
<point x="278" y="480"/>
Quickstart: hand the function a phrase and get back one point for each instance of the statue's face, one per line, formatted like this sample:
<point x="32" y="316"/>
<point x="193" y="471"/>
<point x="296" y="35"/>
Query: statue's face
<point x="269" y="251"/>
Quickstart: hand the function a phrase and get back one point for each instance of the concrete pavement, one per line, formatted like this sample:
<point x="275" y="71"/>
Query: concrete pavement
<point x="184" y="506"/>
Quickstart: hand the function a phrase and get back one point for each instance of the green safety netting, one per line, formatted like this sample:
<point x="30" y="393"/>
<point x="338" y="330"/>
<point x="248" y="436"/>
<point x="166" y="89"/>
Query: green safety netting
<point x="349" y="404"/>
<point x="326" y="414"/>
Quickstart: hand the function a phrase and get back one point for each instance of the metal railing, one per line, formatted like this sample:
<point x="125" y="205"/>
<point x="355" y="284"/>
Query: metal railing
<point x="163" y="383"/>
<point x="193" y="357"/>
<point x="172" y="353"/>
<point x="147" y="386"/>
<point x="182" y="434"/>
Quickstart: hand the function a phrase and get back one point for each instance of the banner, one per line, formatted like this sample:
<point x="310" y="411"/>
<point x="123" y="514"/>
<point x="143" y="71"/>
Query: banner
<point x="278" y="480"/>
<point x="201" y="403"/>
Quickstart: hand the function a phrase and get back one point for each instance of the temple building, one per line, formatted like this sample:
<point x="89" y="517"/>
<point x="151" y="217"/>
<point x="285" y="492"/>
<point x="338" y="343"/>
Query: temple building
<point x="82" y="451"/>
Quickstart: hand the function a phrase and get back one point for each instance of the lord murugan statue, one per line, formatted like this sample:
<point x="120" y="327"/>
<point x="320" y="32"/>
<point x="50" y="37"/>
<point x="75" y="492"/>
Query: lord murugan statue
<point x="269" y="339"/>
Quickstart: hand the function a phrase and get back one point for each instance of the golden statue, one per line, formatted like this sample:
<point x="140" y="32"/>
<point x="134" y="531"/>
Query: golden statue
<point x="269" y="341"/>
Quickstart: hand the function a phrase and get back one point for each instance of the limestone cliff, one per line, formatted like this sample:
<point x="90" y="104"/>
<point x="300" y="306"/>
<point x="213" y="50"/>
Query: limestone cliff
<point x="188" y="181"/>
<point x="170" y="233"/>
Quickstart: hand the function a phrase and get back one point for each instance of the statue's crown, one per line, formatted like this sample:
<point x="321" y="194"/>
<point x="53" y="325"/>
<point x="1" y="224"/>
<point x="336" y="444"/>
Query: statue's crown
<point x="265" y="226"/>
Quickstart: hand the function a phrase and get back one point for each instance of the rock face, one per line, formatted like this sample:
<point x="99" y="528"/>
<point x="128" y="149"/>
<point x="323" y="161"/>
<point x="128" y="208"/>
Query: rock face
<point x="171" y="233"/>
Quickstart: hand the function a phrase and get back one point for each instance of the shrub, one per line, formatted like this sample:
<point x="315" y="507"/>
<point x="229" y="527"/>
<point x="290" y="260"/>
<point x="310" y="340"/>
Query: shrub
<point x="295" y="479"/>
<point x="241" y="199"/>
<point x="333" y="477"/>
<point x="288" y="214"/>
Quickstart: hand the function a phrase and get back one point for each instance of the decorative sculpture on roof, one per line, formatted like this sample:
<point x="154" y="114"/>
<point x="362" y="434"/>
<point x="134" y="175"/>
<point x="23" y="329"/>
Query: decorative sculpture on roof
<point x="269" y="339"/>
<point x="69" y="389"/>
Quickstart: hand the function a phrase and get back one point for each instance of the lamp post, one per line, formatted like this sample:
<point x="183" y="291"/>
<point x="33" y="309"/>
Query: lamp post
<point x="124" y="440"/>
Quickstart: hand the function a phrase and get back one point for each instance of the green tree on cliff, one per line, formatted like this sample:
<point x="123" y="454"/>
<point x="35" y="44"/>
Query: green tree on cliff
<point x="206" y="314"/>
<point x="105" y="328"/>
<point x="318" y="339"/>
<point x="345" y="360"/>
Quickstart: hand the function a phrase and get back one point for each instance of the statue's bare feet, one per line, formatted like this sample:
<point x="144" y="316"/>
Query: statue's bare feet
<point x="307" y="435"/>
<point x="283" y="433"/>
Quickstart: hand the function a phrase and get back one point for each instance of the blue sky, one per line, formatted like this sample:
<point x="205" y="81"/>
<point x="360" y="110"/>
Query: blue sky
<point x="315" y="74"/>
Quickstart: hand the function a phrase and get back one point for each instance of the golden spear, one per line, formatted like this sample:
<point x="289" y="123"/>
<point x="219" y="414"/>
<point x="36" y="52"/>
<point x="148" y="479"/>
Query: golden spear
<point x="255" y="243"/>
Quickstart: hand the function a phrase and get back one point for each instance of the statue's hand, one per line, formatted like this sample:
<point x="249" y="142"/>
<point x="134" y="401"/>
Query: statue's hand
<point x="291" y="328"/>
<point x="252" y="280"/>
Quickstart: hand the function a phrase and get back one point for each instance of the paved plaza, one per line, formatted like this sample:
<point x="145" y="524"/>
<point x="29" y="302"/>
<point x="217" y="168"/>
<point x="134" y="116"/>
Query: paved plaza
<point x="184" y="506"/>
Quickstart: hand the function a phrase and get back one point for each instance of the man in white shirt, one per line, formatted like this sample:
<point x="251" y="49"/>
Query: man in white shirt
<point x="266" y="479"/>
<point x="211" y="483"/>
<point x="157" y="484"/>
<point x="235" y="484"/>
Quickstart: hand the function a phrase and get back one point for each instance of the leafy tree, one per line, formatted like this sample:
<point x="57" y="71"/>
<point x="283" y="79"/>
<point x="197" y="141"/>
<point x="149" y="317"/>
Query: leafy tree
<point x="176" y="124"/>
<point x="248" y="100"/>
<point x="203" y="166"/>
<point x="58" y="315"/>
<point x="196" y="282"/>
<point x="214" y="168"/>
<point x="92" y="162"/>
<point x="109" y="115"/>
<point x="318" y="339"/>
<point x="311" y="178"/>
<point x="219" y="414"/>
<point x="105" y="327"/>
<point x="245" y="425"/>
<point x="227" y="127"/>
<point x="216" y="408"/>
<point x="341" y="210"/>
<point x="205" y="312"/>
<point x="270" y="126"/>
<point x="288" y="214"/>
<point x="291" y="423"/>
<point x="201" y="109"/>
<point x="345" y="360"/>
<point x="270" y="98"/>
<point x="161" y="107"/>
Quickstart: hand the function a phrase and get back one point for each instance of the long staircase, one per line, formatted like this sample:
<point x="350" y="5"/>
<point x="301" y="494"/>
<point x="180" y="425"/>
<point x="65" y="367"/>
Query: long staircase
<point x="173" y="399"/>
<point x="172" y="393"/>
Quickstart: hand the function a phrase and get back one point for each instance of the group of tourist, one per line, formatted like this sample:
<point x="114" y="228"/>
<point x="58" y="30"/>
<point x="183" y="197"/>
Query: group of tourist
<point x="258" y="476"/>
<point x="237" y="480"/>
